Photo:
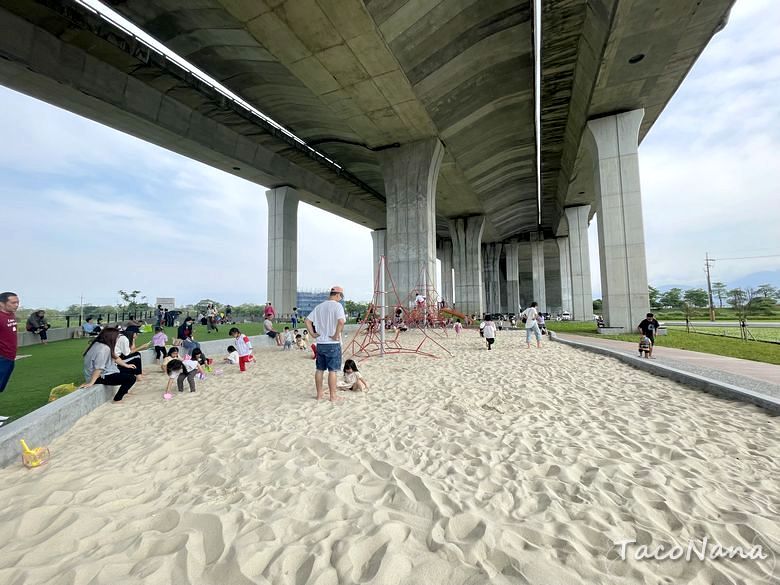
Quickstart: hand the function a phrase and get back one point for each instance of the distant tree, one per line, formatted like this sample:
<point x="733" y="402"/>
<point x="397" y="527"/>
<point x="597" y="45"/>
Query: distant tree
<point x="353" y="308"/>
<point x="736" y="298"/>
<point x="766" y="290"/>
<point x="202" y="304"/>
<point x="655" y="296"/>
<point x="133" y="302"/>
<point x="598" y="305"/>
<point x="696" y="297"/>
<point x="761" y="306"/>
<point x="720" y="290"/>
<point x="672" y="298"/>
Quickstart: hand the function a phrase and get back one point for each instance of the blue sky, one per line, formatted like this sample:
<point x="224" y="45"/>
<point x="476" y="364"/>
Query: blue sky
<point x="89" y="210"/>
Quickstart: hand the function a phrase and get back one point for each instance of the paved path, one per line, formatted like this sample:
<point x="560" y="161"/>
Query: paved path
<point x="756" y="376"/>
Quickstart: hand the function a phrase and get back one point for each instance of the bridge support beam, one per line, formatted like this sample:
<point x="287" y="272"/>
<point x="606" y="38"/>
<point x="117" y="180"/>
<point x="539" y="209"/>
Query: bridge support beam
<point x="379" y="241"/>
<point x="282" y="248"/>
<point x="581" y="289"/>
<point x="615" y="144"/>
<point x="491" y="266"/>
<point x="537" y="270"/>
<point x="466" y="234"/>
<point x="512" y="276"/>
<point x="410" y="174"/>
<point x="565" y="268"/>
<point x="444" y="253"/>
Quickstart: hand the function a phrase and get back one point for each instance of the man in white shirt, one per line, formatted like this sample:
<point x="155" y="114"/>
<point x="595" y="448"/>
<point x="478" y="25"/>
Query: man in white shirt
<point x="531" y="325"/>
<point x="325" y="324"/>
<point x="268" y="325"/>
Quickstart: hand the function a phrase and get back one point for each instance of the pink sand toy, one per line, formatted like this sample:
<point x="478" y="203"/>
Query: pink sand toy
<point x="167" y="396"/>
<point x="201" y="376"/>
<point x="219" y="372"/>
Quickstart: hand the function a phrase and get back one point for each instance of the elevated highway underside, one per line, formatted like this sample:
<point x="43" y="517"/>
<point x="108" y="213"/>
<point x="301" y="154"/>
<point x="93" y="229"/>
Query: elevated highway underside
<point x="422" y="114"/>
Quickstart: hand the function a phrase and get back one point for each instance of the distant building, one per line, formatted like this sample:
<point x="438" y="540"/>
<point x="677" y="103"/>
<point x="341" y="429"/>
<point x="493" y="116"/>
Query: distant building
<point x="307" y="300"/>
<point x="166" y="302"/>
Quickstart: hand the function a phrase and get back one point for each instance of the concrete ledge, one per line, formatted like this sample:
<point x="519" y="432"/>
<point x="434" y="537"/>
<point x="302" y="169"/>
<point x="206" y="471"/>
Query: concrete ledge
<point x="715" y="387"/>
<point x="41" y="426"/>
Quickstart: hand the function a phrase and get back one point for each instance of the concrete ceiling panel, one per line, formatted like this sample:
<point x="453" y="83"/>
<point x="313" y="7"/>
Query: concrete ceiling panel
<point x="415" y="116"/>
<point x="342" y="64"/>
<point x="404" y="17"/>
<point x="272" y="33"/>
<point x="395" y="87"/>
<point x="309" y="23"/>
<point x="314" y="75"/>
<point x="245" y="10"/>
<point x="349" y="17"/>
<point x="367" y="96"/>
<point x="372" y="54"/>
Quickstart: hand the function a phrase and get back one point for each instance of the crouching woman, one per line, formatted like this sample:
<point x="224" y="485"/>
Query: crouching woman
<point x="101" y="364"/>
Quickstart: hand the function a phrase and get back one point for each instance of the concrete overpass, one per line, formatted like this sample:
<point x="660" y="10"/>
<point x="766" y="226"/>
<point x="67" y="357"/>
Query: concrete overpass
<point x="422" y="116"/>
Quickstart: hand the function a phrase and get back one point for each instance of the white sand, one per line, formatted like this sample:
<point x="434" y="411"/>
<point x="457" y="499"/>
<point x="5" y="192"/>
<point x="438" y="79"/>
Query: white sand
<point x="513" y="466"/>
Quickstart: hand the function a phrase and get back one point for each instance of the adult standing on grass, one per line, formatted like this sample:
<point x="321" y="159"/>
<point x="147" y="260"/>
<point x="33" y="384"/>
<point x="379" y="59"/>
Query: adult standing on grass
<point x="648" y="327"/>
<point x="101" y="364"/>
<point x="529" y="317"/>
<point x="36" y="323"/>
<point x="9" y="303"/>
<point x="325" y="324"/>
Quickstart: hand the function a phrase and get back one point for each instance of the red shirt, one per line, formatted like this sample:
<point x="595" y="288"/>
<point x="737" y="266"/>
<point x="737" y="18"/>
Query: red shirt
<point x="8" y="335"/>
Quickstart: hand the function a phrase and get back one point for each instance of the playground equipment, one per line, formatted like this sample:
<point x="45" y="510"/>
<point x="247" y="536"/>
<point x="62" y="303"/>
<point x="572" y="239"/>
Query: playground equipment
<point x="380" y="333"/>
<point x="34" y="457"/>
<point x="455" y="314"/>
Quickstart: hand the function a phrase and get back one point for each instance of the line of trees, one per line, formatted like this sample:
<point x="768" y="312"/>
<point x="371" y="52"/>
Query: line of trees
<point x="761" y="300"/>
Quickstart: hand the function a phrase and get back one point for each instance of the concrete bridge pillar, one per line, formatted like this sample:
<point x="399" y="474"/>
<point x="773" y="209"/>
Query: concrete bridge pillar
<point x="444" y="253"/>
<point x="581" y="289"/>
<point x="410" y="175"/>
<point x="512" y="276"/>
<point x="615" y="144"/>
<point x="282" y="248"/>
<point x="537" y="270"/>
<point x="565" y="264"/>
<point x="490" y="262"/>
<point x="379" y="241"/>
<point x="466" y="234"/>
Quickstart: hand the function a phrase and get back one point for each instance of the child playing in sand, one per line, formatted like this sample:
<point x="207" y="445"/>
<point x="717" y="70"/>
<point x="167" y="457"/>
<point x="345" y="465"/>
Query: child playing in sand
<point x="159" y="339"/>
<point x="288" y="339"/>
<point x="458" y="327"/>
<point x="352" y="380"/>
<point x="200" y="357"/>
<point x="232" y="355"/>
<point x="173" y="354"/>
<point x="299" y="342"/>
<point x="644" y="346"/>
<point x="243" y="347"/>
<point x="181" y="370"/>
<point x="490" y="332"/>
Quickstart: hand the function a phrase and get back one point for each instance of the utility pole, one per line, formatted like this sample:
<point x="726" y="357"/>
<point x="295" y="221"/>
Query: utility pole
<point x="81" y="312"/>
<point x="707" y="263"/>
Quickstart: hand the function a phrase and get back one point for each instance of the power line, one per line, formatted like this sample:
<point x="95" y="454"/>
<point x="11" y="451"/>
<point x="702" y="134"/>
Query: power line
<point x="746" y="257"/>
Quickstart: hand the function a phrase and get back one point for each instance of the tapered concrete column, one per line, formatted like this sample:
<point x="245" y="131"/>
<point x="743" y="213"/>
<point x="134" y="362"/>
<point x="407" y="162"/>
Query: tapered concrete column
<point x="282" y="248"/>
<point x="490" y="260"/>
<point x="444" y="254"/>
<point x="466" y="234"/>
<point x="537" y="268"/>
<point x="512" y="276"/>
<point x="525" y="274"/>
<point x="379" y="241"/>
<point x="621" y="231"/>
<point x="579" y="257"/>
<point x="410" y="174"/>
<point x="565" y="264"/>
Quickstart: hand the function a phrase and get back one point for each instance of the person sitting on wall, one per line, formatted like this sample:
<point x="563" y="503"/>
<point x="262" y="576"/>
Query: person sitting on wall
<point x="36" y="323"/>
<point x="90" y="328"/>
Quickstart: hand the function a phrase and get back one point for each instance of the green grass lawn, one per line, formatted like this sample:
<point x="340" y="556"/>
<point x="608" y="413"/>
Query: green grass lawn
<point x="749" y="350"/>
<point x="759" y="333"/>
<point x="60" y="362"/>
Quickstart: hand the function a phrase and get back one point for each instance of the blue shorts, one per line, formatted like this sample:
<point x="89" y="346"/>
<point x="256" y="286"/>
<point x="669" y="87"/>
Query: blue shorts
<point x="329" y="357"/>
<point x="6" y="368"/>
